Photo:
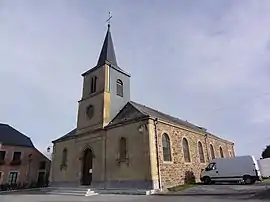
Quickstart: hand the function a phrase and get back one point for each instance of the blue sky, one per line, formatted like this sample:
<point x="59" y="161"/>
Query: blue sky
<point x="206" y="62"/>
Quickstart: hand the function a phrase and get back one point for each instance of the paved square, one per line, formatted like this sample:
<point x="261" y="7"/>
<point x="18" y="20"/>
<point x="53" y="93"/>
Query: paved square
<point x="65" y="198"/>
<point x="212" y="193"/>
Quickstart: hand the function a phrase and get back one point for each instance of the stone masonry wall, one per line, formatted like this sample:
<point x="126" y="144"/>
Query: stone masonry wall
<point x="173" y="172"/>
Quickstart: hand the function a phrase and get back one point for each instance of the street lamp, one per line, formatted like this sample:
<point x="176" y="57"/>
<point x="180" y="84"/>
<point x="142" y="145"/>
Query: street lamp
<point x="50" y="152"/>
<point x="49" y="149"/>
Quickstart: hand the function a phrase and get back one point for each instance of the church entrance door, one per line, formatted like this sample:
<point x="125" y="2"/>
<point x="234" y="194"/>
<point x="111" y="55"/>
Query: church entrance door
<point x="87" y="166"/>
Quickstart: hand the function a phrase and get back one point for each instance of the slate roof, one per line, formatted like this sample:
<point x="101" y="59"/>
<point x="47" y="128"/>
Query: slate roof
<point x="12" y="137"/>
<point x="107" y="55"/>
<point x="160" y="115"/>
<point x="67" y="136"/>
<point x="107" y="52"/>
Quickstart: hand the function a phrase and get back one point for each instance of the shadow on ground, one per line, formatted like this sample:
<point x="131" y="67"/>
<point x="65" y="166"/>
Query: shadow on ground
<point x="251" y="195"/>
<point x="264" y="195"/>
<point x="230" y="192"/>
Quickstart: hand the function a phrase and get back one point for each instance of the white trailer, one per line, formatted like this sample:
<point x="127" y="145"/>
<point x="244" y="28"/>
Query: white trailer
<point x="241" y="168"/>
<point x="264" y="166"/>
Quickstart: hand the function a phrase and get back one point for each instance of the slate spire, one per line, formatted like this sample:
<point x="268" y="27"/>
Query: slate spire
<point x="107" y="52"/>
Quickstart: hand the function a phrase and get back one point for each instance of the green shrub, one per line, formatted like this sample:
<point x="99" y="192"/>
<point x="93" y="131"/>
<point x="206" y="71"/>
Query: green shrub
<point x="189" y="177"/>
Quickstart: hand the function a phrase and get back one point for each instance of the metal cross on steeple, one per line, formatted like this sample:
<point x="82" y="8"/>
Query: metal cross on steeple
<point x="107" y="53"/>
<point x="109" y="19"/>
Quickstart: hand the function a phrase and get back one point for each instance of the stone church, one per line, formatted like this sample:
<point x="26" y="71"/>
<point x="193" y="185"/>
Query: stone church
<point x="119" y="143"/>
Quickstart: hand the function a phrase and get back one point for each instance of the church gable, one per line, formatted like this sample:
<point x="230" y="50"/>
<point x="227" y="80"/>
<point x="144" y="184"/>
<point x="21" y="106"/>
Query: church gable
<point x="128" y="112"/>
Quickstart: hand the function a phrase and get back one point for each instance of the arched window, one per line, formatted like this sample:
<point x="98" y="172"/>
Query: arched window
<point x="212" y="152"/>
<point x="166" y="147"/>
<point x="93" y="84"/>
<point x="201" y="154"/>
<point x="221" y="152"/>
<point x="64" y="157"/>
<point x="186" y="150"/>
<point x="119" y="88"/>
<point x="123" y="149"/>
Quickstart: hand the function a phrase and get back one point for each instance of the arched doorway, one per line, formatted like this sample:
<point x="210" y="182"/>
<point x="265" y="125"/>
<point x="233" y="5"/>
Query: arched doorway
<point x="87" y="165"/>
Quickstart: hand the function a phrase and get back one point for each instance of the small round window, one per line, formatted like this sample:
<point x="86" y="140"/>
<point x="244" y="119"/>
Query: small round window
<point x="90" y="111"/>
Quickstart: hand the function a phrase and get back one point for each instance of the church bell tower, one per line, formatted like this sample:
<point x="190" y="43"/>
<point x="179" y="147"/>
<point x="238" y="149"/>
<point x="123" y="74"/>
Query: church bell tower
<point x="106" y="89"/>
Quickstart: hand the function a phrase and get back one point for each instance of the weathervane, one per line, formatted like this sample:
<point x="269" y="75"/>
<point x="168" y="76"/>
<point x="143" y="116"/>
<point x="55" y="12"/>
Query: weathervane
<point x="109" y="19"/>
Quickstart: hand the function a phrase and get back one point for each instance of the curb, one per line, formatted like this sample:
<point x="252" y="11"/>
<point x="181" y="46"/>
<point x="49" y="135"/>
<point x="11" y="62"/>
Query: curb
<point x="206" y="194"/>
<point x="18" y="190"/>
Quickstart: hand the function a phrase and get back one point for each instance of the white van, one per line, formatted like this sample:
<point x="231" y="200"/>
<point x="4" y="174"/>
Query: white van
<point x="241" y="168"/>
<point x="264" y="166"/>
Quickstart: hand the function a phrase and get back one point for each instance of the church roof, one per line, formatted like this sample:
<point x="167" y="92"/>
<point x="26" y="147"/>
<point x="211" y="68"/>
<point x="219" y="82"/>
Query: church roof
<point x="12" y="137"/>
<point x="160" y="115"/>
<point x="67" y="136"/>
<point x="107" y="52"/>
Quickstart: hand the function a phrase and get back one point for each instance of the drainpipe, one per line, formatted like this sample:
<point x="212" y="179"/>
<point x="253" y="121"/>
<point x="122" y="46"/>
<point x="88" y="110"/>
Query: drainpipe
<point x="105" y="160"/>
<point x="158" y="165"/>
<point x="206" y="145"/>
<point x="29" y="168"/>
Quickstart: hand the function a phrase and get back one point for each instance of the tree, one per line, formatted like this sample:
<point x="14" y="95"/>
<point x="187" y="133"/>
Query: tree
<point x="266" y="152"/>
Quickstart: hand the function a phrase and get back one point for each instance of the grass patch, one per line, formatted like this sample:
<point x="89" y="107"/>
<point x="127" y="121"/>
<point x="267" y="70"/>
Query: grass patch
<point x="266" y="180"/>
<point x="181" y="187"/>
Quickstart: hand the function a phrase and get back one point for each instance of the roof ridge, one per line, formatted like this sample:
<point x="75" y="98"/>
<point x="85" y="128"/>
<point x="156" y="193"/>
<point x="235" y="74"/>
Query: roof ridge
<point x="187" y="124"/>
<point x="165" y="114"/>
<point x="18" y="131"/>
<point x="11" y="136"/>
<point x="69" y="134"/>
<point x="134" y="105"/>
